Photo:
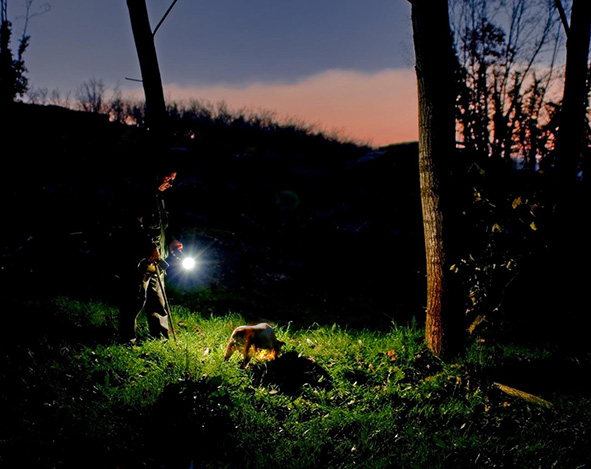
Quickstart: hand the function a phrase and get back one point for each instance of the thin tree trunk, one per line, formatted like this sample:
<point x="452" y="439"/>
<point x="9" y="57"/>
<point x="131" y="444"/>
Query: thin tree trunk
<point x="151" y="79"/>
<point x="435" y="62"/>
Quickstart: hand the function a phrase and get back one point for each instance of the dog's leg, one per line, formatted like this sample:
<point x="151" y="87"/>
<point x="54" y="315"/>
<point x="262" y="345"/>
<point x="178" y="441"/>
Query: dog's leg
<point x="248" y="341"/>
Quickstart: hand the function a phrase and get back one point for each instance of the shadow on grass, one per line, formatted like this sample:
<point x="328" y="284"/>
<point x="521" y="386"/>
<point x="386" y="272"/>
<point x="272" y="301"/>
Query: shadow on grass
<point x="565" y="375"/>
<point x="290" y="373"/>
<point x="191" y="425"/>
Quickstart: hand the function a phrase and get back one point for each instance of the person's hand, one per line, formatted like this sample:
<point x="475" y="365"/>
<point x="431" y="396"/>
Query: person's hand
<point x="154" y="256"/>
<point x="175" y="247"/>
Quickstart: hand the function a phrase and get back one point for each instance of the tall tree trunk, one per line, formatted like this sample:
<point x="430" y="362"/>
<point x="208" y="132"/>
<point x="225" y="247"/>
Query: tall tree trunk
<point x="571" y="244"/>
<point x="571" y="134"/>
<point x="151" y="79"/>
<point x="434" y="63"/>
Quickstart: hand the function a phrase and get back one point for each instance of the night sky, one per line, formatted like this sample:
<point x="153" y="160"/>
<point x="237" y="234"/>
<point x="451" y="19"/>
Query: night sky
<point x="343" y="65"/>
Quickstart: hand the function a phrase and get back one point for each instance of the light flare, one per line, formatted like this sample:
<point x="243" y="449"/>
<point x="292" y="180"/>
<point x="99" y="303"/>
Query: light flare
<point x="189" y="263"/>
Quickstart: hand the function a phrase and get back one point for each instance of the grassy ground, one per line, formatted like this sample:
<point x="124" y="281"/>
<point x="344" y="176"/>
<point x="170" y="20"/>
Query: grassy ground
<point x="337" y="398"/>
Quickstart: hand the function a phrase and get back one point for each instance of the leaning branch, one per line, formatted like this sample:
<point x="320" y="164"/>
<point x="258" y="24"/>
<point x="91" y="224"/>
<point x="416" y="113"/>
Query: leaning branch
<point x="560" y="9"/>
<point x="527" y="397"/>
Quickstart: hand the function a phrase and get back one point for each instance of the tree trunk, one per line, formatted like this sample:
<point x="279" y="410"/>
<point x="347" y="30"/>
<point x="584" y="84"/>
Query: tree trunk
<point x="146" y="51"/>
<point x="571" y="134"/>
<point x="434" y="63"/>
<point x="571" y="245"/>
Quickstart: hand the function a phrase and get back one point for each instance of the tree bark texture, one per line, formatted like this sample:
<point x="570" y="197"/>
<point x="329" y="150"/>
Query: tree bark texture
<point x="434" y="63"/>
<point x="151" y="79"/>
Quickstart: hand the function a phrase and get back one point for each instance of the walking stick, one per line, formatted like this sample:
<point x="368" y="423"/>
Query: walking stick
<point x="166" y="305"/>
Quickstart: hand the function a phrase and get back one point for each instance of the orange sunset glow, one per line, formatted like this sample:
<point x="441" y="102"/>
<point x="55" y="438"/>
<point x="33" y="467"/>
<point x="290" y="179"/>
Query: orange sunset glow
<point x="376" y="109"/>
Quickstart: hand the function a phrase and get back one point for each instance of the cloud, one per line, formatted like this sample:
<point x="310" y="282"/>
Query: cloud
<point x="379" y="108"/>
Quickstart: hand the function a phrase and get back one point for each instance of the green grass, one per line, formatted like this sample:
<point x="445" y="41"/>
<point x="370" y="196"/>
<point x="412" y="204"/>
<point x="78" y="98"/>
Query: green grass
<point x="72" y="397"/>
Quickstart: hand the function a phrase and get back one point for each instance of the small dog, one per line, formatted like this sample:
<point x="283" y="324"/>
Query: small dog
<point x="261" y="336"/>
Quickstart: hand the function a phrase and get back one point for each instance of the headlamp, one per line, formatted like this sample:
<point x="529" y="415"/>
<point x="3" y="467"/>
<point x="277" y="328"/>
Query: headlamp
<point x="189" y="263"/>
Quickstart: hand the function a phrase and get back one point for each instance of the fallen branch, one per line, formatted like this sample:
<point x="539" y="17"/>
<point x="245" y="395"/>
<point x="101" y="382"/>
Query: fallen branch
<point x="523" y="395"/>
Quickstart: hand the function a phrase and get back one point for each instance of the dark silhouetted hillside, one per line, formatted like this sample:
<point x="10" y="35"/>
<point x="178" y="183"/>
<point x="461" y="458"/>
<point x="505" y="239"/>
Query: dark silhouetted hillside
<point x="296" y="219"/>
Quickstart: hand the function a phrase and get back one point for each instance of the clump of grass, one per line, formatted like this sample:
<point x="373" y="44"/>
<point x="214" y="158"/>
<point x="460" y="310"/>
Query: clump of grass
<point x="379" y="399"/>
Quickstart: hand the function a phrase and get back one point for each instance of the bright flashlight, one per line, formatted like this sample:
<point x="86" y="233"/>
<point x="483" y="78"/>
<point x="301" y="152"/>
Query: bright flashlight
<point x="189" y="263"/>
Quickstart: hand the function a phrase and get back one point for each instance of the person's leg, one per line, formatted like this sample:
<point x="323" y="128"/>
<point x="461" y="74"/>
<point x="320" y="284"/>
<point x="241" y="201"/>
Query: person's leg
<point x="156" y="307"/>
<point x="133" y="298"/>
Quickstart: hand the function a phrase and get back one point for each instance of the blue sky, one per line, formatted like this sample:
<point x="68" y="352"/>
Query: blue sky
<point x="253" y="53"/>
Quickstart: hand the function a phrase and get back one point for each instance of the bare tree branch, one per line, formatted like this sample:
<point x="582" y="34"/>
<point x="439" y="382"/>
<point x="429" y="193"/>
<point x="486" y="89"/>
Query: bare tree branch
<point x="29" y="14"/>
<point x="560" y="9"/>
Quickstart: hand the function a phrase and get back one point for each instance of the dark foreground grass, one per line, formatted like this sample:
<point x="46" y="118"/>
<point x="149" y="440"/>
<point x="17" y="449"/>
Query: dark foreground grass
<point x="337" y="398"/>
